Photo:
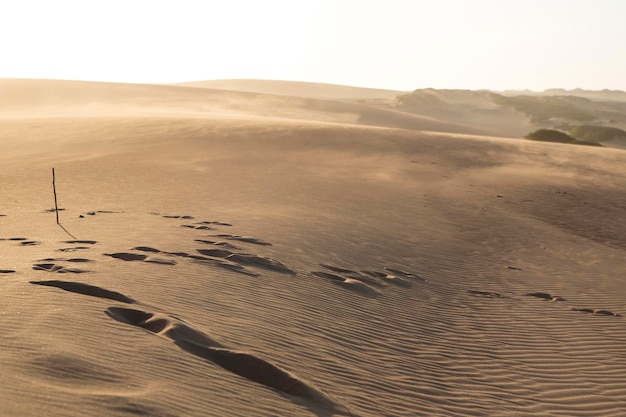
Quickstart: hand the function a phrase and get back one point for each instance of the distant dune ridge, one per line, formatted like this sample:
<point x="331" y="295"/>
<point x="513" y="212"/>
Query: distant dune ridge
<point x="264" y="248"/>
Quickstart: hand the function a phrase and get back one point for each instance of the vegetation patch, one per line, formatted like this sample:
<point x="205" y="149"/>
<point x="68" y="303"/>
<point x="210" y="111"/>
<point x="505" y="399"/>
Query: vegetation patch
<point x="550" y="135"/>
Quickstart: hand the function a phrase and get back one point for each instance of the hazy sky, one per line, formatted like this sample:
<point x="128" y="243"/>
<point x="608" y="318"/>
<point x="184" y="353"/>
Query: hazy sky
<point x="395" y="44"/>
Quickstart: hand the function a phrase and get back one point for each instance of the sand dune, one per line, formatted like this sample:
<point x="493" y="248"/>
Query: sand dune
<point x="230" y="254"/>
<point x="82" y="99"/>
<point x="298" y="89"/>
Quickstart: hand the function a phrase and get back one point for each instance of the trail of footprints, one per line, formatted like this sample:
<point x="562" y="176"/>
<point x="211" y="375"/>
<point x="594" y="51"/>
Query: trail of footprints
<point x="547" y="297"/>
<point x="214" y="252"/>
<point x="220" y="251"/>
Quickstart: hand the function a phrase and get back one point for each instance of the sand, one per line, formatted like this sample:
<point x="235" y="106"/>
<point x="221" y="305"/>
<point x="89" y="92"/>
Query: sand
<point x="224" y="253"/>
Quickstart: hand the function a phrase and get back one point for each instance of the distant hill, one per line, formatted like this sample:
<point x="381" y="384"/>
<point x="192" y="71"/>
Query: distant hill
<point x="590" y="117"/>
<point x="597" y="95"/>
<point x="297" y="89"/>
<point x="512" y="114"/>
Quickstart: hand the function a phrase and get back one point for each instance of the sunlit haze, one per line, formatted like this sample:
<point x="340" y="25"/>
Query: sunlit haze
<point x="393" y="44"/>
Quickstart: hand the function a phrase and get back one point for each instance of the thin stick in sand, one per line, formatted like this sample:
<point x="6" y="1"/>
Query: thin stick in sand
<point x="54" y="189"/>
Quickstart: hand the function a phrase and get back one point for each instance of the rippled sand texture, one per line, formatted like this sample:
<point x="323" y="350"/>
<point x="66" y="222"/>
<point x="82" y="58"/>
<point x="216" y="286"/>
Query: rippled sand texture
<point x="252" y="254"/>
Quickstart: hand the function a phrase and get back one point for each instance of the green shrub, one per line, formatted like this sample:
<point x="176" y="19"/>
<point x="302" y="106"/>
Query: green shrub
<point x="550" y="135"/>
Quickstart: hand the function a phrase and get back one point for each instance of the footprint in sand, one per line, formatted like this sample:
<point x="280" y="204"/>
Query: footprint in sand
<point x="6" y="271"/>
<point x="59" y="269"/>
<point x="597" y="311"/>
<point x="73" y="249"/>
<point x="86" y="289"/>
<point x="247" y="259"/>
<point x="546" y="296"/>
<point x="93" y="213"/>
<point x="486" y="294"/>
<point x="188" y="217"/>
<point x="199" y="227"/>
<point x="80" y="242"/>
<point x="217" y="243"/>
<point x="53" y="210"/>
<point x="170" y="216"/>
<point x="146" y="249"/>
<point x="409" y="275"/>
<point x="246" y="239"/>
<point x="205" y="225"/>
<point x="350" y="283"/>
<point x="75" y="260"/>
<point x="130" y="257"/>
<point x="77" y="248"/>
<point x="215" y="223"/>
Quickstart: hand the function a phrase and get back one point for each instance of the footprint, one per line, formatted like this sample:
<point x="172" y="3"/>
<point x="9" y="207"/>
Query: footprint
<point x="244" y="364"/>
<point x="386" y="278"/>
<point x="260" y="262"/>
<point x="93" y="213"/>
<point x="396" y="277"/>
<point x="86" y="289"/>
<point x="222" y="263"/>
<point x="485" y="294"/>
<point x="160" y="261"/>
<point x="146" y="249"/>
<point x="30" y="243"/>
<point x="81" y="242"/>
<point x="396" y="280"/>
<point x="74" y="249"/>
<point x="60" y="269"/>
<point x="186" y="217"/>
<point x="340" y="270"/>
<point x="349" y="283"/>
<point x="246" y="239"/>
<point x="203" y="227"/>
<point x="76" y="260"/>
<point x="130" y="257"/>
<point x="597" y="311"/>
<point x="218" y="253"/>
<point x="546" y="296"/>
<point x="163" y="325"/>
<point x="218" y="243"/>
<point x="211" y="261"/>
<point x="127" y="256"/>
<point x="216" y="223"/>
<point x="248" y="259"/>
<point x="6" y="271"/>
<point x="405" y="274"/>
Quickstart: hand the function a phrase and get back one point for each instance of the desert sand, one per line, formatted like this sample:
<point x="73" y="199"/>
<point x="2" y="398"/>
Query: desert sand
<point x="233" y="253"/>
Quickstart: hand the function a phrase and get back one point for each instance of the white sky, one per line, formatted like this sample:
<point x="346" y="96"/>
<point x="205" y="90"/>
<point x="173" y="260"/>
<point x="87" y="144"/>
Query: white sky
<point x="395" y="44"/>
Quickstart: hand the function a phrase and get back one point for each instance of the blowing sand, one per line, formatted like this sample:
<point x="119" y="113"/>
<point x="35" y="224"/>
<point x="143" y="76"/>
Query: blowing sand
<point x="241" y="254"/>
